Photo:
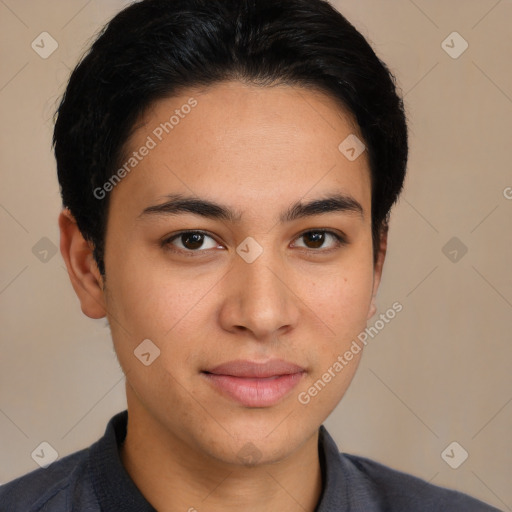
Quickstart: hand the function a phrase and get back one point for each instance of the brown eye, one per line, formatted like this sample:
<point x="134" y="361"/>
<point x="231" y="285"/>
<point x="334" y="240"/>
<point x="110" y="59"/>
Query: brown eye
<point x="190" y="241"/>
<point x="316" y="239"/>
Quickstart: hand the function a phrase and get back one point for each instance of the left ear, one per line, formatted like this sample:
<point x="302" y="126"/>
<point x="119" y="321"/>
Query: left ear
<point x="377" y="270"/>
<point x="82" y="268"/>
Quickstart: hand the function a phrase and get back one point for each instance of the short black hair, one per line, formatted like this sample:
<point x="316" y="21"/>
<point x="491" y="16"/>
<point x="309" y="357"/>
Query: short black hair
<point x="154" y="49"/>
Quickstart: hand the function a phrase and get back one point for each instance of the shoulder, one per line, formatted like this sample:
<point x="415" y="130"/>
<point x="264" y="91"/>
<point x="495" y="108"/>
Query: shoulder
<point x="51" y="488"/>
<point x="401" y="492"/>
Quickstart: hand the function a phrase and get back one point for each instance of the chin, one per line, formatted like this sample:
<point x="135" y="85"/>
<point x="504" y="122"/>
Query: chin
<point x="253" y="442"/>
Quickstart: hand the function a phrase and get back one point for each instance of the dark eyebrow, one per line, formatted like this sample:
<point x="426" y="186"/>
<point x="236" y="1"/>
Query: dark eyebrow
<point x="177" y="204"/>
<point x="333" y="203"/>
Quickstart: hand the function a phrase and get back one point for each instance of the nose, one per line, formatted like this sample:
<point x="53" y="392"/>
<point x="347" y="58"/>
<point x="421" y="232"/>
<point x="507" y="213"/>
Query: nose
<point x="259" y="298"/>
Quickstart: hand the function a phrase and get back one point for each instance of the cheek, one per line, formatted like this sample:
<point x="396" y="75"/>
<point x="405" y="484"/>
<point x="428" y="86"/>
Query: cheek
<point x="151" y="302"/>
<point x="150" y="305"/>
<point x="140" y="299"/>
<point x="342" y="298"/>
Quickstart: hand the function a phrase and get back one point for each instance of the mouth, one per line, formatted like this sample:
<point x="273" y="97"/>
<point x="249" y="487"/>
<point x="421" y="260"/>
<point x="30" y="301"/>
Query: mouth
<point x="253" y="384"/>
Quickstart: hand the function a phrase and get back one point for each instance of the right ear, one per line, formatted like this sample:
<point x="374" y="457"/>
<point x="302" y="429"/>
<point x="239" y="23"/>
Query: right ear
<point x="82" y="268"/>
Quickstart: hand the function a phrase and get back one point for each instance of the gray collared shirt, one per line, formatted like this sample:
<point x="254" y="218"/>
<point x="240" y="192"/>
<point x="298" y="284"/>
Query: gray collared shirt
<point x="94" y="480"/>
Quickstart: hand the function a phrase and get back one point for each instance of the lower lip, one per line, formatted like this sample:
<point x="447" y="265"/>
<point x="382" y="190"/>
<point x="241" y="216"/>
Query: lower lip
<point x="255" y="392"/>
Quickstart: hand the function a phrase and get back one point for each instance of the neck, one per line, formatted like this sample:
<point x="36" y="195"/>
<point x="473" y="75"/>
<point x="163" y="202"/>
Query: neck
<point x="175" y="477"/>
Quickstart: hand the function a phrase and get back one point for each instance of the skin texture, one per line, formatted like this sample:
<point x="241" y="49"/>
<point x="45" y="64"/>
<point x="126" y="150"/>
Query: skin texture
<point x="256" y="150"/>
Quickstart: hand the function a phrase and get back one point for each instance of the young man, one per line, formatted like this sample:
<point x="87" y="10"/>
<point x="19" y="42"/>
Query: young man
<point x="227" y="170"/>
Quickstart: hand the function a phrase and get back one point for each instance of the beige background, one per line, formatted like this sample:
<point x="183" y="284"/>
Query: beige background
<point x="439" y="372"/>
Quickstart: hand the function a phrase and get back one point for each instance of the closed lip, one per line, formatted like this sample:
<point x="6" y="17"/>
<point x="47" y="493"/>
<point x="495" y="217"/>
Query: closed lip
<point x="256" y="370"/>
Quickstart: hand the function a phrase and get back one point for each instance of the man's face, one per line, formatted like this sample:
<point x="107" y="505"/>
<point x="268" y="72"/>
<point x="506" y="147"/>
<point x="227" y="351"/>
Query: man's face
<point x="253" y="288"/>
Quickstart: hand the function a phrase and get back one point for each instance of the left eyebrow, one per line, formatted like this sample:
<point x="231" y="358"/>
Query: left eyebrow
<point x="177" y="204"/>
<point x="335" y="203"/>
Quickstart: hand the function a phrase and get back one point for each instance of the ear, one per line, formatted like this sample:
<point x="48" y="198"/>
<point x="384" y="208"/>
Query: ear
<point x="379" y="264"/>
<point x="82" y="268"/>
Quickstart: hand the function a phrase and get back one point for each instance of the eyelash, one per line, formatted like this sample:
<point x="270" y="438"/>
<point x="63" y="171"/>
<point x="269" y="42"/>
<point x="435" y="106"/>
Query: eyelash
<point x="340" y="241"/>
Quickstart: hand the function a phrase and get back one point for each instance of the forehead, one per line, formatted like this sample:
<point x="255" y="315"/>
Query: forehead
<point x="240" y="142"/>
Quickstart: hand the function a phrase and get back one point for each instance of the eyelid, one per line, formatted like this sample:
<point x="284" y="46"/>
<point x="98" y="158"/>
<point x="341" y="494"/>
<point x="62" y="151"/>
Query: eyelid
<point x="166" y="242"/>
<point x="340" y="238"/>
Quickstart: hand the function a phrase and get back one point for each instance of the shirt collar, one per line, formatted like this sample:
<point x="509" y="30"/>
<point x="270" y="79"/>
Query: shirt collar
<point x="342" y="486"/>
<point x="113" y="486"/>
